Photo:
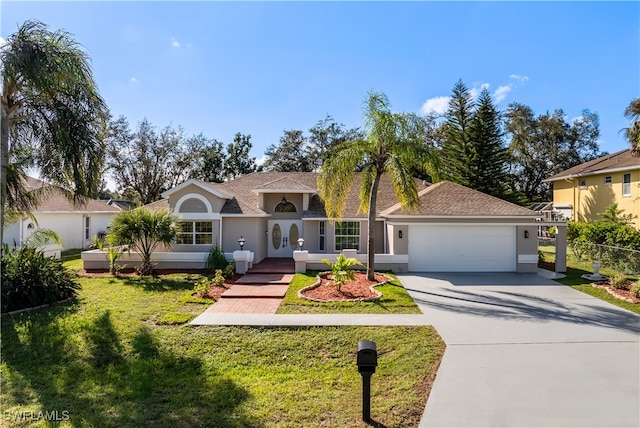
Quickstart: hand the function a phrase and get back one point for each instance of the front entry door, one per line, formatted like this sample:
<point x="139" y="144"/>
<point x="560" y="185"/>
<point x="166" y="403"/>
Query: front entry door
<point x="283" y="237"/>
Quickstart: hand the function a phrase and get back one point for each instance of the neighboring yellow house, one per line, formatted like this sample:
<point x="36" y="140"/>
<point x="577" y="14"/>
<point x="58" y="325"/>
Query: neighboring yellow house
<point x="583" y="192"/>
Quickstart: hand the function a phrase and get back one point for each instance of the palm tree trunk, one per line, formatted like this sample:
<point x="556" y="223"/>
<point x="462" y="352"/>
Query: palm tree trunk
<point x="371" y="243"/>
<point x="4" y="161"/>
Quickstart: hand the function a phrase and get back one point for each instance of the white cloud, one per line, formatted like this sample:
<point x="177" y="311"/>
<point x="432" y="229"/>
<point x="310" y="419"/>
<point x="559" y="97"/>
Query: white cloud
<point x="261" y="160"/>
<point x="518" y="78"/>
<point x="175" y="43"/>
<point x="475" y="91"/>
<point x="501" y="92"/>
<point x="133" y="81"/>
<point x="2" y="41"/>
<point x="436" y="105"/>
<point x="577" y="119"/>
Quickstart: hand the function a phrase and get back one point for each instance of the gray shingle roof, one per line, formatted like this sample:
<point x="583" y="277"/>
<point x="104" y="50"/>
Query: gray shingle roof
<point x="450" y="199"/>
<point x="58" y="201"/>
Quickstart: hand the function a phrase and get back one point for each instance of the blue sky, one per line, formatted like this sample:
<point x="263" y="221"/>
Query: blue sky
<point x="260" y="68"/>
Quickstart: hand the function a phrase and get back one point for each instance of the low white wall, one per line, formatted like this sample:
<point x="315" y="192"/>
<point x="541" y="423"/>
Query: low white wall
<point x="393" y="262"/>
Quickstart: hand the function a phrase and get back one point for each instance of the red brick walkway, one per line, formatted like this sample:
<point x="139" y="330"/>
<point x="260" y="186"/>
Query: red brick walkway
<point x="257" y="293"/>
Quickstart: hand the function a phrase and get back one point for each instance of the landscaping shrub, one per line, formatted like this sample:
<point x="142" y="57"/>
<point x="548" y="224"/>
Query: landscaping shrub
<point x="216" y="259"/>
<point x="342" y="269"/>
<point x="202" y="287"/>
<point x="635" y="290"/>
<point x="218" y="279"/>
<point x="229" y="270"/>
<point x="30" y="279"/>
<point x="618" y="281"/>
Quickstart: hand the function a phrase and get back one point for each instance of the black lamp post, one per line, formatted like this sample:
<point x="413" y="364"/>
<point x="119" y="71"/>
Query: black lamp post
<point x="241" y="242"/>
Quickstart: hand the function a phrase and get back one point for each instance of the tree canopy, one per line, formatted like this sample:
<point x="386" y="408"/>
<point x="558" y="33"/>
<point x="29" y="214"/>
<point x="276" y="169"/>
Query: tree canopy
<point x="52" y="117"/>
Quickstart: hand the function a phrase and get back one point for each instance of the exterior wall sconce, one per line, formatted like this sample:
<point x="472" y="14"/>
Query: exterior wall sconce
<point x="526" y="234"/>
<point x="30" y="226"/>
<point x="241" y="241"/>
<point x="400" y="234"/>
<point x="300" y="243"/>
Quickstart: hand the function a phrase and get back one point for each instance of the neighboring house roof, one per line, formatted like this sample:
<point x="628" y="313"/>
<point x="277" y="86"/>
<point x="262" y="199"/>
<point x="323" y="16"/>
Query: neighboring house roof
<point x="619" y="161"/>
<point x="450" y="199"/>
<point x="162" y="204"/>
<point x="122" y="203"/>
<point x="58" y="201"/>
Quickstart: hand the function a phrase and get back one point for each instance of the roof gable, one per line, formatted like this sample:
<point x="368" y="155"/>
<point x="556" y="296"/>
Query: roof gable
<point x="58" y="202"/>
<point x="202" y="185"/>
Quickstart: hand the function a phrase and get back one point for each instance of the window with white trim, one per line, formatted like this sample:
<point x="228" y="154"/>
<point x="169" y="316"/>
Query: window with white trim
<point x="321" y="232"/>
<point x="626" y="185"/>
<point x="196" y="233"/>
<point x="607" y="180"/>
<point x="87" y="227"/>
<point x="347" y="235"/>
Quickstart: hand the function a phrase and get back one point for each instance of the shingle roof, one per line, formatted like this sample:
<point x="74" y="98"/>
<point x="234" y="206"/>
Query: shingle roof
<point x="441" y="199"/>
<point x="162" y="204"/>
<point x="619" y="160"/>
<point x="450" y="199"/>
<point x="58" y="202"/>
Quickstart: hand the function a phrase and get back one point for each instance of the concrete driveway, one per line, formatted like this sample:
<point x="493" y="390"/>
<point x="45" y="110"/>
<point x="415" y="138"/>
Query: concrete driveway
<point x="525" y="351"/>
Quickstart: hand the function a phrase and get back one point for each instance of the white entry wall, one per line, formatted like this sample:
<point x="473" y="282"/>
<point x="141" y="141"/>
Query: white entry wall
<point x="462" y="248"/>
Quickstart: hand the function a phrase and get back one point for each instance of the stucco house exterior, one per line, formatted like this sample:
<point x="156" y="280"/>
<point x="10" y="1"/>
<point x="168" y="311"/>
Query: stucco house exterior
<point x="583" y="192"/>
<point x="76" y="224"/>
<point x="455" y="228"/>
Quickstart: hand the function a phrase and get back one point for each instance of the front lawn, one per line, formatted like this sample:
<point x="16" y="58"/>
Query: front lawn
<point x="394" y="300"/>
<point x="107" y="362"/>
<point x="575" y="280"/>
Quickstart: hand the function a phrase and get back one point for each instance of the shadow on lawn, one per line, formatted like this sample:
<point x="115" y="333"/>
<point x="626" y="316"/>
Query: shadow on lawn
<point x="163" y="283"/>
<point x="93" y="377"/>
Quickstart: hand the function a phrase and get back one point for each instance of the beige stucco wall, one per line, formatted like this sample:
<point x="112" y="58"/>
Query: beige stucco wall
<point x="594" y="198"/>
<point x="398" y="245"/>
<point x="251" y="229"/>
<point x="216" y="202"/>
<point x="527" y="246"/>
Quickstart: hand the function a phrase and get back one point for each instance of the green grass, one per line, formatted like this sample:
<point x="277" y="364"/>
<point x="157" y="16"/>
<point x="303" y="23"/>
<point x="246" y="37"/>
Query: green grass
<point x="106" y="361"/>
<point x="71" y="259"/>
<point x="575" y="280"/>
<point x="394" y="300"/>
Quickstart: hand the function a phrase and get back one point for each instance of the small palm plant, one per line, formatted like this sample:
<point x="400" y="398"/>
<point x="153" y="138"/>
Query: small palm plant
<point x="342" y="270"/>
<point x="143" y="231"/>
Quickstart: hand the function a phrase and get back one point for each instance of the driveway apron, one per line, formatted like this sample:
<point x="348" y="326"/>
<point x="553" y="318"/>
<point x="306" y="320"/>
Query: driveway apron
<point x="525" y="351"/>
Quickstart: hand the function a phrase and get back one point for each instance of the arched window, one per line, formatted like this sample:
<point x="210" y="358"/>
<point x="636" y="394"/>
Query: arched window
<point x="193" y="205"/>
<point x="285" y="207"/>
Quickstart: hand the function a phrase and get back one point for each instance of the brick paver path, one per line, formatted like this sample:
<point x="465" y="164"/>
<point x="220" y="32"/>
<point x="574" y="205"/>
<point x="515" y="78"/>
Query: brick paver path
<point x="259" y="293"/>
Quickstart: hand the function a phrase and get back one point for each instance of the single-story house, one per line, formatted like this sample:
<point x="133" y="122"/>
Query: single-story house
<point x="583" y="192"/>
<point x="76" y="224"/>
<point x="455" y="228"/>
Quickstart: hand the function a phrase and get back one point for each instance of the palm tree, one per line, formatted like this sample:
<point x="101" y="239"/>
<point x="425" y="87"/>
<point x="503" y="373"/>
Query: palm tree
<point x="143" y="231"/>
<point x="52" y="117"/>
<point x="632" y="112"/>
<point x="394" y="144"/>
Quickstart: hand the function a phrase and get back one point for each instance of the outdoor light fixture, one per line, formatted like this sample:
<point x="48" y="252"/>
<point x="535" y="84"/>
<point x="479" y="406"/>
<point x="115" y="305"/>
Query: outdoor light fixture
<point x="241" y="242"/>
<point x="400" y="234"/>
<point x="300" y="243"/>
<point x="526" y="234"/>
<point x="367" y="360"/>
<point x="284" y="200"/>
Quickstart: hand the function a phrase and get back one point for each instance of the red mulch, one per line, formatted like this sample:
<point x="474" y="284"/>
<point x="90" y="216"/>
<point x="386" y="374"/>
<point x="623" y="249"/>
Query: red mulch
<point x="623" y="294"/>
<point x="358" y="289"/>
<point x="215" y="291"/>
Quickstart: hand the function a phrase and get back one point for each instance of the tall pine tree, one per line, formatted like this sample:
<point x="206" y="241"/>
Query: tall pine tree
<point x="488" y="172"/>
<point x="457" y="152"/>
<point x="473" y="153"/>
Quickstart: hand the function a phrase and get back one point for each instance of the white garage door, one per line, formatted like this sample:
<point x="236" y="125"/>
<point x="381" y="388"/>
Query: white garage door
<point x="462" y="248"/>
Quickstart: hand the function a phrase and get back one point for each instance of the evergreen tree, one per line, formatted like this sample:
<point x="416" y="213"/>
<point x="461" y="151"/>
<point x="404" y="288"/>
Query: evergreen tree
<point x="457" y="150"/>
<point x="488" y="172"/>
<point x="291" y="155"/>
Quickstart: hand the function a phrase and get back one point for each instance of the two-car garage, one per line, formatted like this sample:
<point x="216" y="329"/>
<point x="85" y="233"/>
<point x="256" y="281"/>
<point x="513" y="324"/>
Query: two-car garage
<point x="462" y="248"/>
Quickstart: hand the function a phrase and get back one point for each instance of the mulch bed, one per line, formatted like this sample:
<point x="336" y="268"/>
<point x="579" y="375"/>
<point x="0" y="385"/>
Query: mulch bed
<point x="623" y="294"/>
<point x="359" y="290"/>
<point x="215" y="291"/>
